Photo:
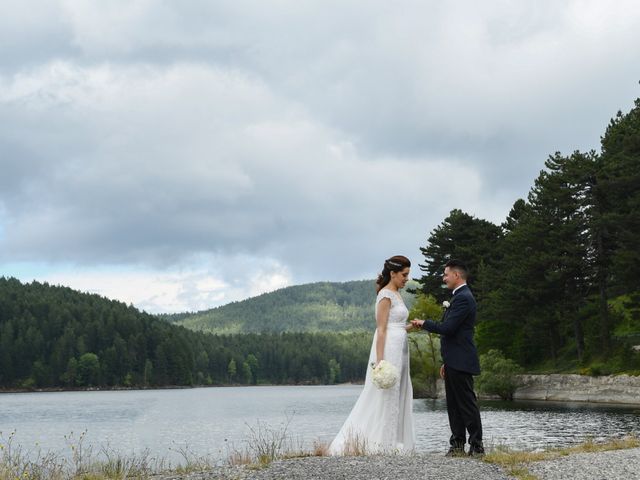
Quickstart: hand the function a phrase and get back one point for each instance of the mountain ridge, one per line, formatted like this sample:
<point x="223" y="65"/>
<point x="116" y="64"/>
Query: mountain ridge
<point x="312" y="307"/>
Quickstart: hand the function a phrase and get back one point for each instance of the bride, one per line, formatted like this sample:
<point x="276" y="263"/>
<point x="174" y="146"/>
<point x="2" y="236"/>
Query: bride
<point x="381" y="420"/>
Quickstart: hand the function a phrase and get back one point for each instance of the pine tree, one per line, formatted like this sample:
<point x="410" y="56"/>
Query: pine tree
<point x="615" y="195"/>
<point x="231" y="370"/>
<point x="463" y="237"/>
<point x="247" y="374"/>
<point x="252" y="360"/>
<point x="619" y="188"/>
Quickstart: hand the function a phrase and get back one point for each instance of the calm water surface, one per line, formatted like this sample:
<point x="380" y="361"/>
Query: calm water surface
<point x="212" y="421"/>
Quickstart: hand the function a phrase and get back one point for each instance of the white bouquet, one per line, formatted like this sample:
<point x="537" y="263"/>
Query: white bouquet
<point x="385" y="375"/>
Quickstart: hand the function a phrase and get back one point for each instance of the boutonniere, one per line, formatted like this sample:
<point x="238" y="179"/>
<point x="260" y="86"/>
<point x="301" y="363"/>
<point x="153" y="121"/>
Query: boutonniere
<point x="445" y="304"/>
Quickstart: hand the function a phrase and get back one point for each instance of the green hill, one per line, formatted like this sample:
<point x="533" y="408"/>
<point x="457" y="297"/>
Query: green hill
<point x="314" y="307"/>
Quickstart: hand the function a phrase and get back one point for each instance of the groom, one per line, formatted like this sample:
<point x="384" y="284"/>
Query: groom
<point x="460" y="360"/>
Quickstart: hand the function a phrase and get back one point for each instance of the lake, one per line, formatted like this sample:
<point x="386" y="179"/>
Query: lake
<point x="213" y="421"/>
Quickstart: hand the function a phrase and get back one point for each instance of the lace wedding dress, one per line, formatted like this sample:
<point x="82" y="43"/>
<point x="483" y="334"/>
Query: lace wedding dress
<point x="382" y="420"/>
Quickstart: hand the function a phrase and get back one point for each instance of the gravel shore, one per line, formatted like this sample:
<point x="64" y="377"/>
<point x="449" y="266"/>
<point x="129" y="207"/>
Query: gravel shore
<point x="375" y="467"/>
<point x="611" y="465"/>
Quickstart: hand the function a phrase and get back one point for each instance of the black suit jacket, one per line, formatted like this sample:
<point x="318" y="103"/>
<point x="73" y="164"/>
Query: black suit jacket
<point x="456" y="330"/>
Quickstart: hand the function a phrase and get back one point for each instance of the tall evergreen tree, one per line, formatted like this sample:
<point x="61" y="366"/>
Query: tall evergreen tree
<point x="619" y="190"/>
<point x="460" y="236"/>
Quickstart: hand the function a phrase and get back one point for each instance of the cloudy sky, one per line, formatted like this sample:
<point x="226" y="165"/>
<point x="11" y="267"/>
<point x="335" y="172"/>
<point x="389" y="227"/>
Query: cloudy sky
<point x="182" y="155"/>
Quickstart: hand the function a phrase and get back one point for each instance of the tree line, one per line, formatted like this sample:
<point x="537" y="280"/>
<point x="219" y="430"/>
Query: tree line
<point x="558" y="282"/>
<point x="52" y="336"/>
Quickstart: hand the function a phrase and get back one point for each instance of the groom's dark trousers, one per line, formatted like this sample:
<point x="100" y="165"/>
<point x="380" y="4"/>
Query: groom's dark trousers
<point x="461" y="362"/>
<point x="462" y="407"/>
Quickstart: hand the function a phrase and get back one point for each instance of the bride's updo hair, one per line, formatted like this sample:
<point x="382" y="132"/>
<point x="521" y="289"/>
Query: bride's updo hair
<point x="397" y="263"/>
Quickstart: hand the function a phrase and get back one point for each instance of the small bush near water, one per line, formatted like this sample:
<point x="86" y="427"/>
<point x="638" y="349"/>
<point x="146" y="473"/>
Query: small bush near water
<point x="499" y="375"/>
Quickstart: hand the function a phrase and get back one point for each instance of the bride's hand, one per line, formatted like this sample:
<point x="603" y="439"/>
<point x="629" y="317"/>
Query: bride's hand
<point x="409" y="326"/>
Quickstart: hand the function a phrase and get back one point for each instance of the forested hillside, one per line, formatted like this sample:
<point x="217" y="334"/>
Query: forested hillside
<point x="314" y="307"/>
<point x="558" y="283"/>
<point x="53" y="336"/>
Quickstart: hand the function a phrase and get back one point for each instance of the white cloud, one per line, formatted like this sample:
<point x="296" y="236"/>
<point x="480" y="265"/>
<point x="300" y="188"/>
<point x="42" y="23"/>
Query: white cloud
<point x="309" y="139"/>
<point x="201" y="284"/>
<point x="191" y="155"/>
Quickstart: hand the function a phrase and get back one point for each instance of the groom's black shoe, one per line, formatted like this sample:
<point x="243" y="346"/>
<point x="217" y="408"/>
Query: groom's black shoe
<point x="476" y="451"/>
<point x="455" y="452"/>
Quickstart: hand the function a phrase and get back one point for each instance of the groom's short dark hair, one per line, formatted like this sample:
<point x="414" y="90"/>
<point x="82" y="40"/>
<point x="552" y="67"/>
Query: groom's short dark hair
<point x="458" y="265"/>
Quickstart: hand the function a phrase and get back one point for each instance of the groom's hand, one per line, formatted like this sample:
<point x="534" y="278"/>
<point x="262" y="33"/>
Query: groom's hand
<point x="417" y="323"/>
<point x="442" y="372"/>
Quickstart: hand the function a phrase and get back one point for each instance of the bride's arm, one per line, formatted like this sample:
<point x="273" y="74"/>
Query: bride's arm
<point x="382" y="317"/>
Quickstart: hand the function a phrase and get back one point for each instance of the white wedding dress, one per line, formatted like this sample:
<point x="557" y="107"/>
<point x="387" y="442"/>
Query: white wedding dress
<point x="382" y="420"/>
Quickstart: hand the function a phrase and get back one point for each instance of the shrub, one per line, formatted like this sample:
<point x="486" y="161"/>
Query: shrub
<point x="499" y="375"/>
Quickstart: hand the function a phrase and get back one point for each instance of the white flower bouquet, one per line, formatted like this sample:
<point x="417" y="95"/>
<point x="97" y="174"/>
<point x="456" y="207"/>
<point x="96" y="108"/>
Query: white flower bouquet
<point x="385" y="375"/>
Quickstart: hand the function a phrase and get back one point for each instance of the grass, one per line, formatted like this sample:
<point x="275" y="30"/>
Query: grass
<point x="355" y="445"/>
<point x="82" y="462"/>
<point x="264" y="444"/>
<point x="515" y="462"/>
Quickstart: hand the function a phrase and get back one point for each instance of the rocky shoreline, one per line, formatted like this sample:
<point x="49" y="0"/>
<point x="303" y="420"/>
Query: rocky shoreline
<point x="621" y="389"/>
<point x="613" y="389"/>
